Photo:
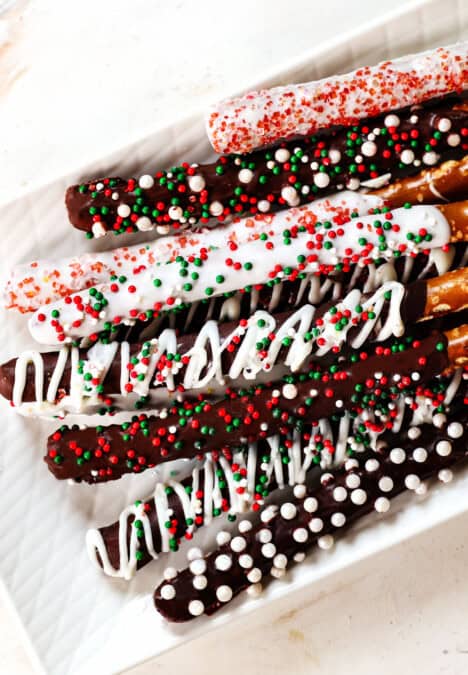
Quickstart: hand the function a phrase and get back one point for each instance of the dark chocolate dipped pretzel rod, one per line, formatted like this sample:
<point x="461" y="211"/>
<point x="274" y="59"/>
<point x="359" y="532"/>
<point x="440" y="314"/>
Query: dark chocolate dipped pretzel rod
<point x="243" y="481"/>
<point x="311" y="517"/>
<point x="296" y="172"/>
<point x="189" y="429"/>
<point x="195" y="362"/>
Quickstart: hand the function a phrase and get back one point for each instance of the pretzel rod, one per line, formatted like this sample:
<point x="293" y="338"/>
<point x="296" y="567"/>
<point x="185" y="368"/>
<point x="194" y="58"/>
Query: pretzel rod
<point x="293" y="246"/>
<point x="41" y="282"/>
<point x="235" y="484"/>
<point x="312" y="516"/>
<point x="445" y="183"/>
<point x="78" y="379"/>
<point x="446" y="293"/>
<point x="261" y="118"/>
<point x="188" y="429"/>
<point x="373" y="153"/>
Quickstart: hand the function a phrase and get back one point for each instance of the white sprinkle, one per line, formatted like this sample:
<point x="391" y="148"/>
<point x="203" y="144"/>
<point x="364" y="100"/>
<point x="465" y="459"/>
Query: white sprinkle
<point x="196" y="183"/>
<point x="245" y="561"/>
<point x="289" y="391"/>
<point x="310" y="504"/>
<point x="420" y="455"/>
<point x="300" y="535"/>
<point x="98" y="229"/>
<point x="144" y="224"/>
<point x="162" y="229"/>
<point x="288" y="511"/>
<point x="245" y="175"/>
<point x="216" y="208"/>
<point x="316" y="525"/>
<point x="358" y="497"/>
<point x="326" y="542"/>
<point x="299" y="556"/>
<point x="200" y="582"/>
<point x="299" y="491"/>
<point x="338" y="519"/>
<point x="321" y="179"/>
<point x="444" y="448"/>
<point x="353" y="184"/>
<point x="353" y="481"/>
<point x="412" y="481"/>
<point x="444" y="125"/>
<point x="167" y="592"/>
<point x="238" y="544"/>
<point x="382" y="504"/>
<point x="263" y="205"/>
<point x="280" y="561"/>
<point x="264" y="536"/>
<point x="369" y="148"/>
<point x="175" y="213"/>
<point x="445" y="475"/>
<point x="268" y="513"/>
<point x="224" y="593"/>
<point x="222" y="538"/>
<point x="282" y="155"/>
<point x="392" y="121"/>
<point x="385" y="484"/>
<point x="194" y="553"/>
<point x="414" y="433"/>
<point x="254" y="575"/>
<point x="407" y="156"/>
<point x="453" y="140"/>
<point x="244" y="526"/>
<point x="196" y="607"/>
<point x="123" y="210"/>
<point x="430" y="158"/>
<point x="334" y="156"/>
<point x="170" y="573"/>
<point x="268" y="550"/>
<point x="340" y="494"/>
<point x="414" y="119"/>
<point x="455" y="430"/>
<point x="223" y="563"/>
<point x="397" y="456"/>
<point x="198" y="566"/>
<point x="289" y="194"/>
<point x="146" y="181"/>
<point x="439" y="420"/>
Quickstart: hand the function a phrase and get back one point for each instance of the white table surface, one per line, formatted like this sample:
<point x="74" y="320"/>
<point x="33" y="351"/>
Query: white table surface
<point x="63" y="102"/>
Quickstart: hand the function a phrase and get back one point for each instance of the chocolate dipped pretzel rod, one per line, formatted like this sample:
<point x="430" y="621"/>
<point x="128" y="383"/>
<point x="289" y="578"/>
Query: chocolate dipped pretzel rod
<point x="41" y="282"/>
<point x="294" y="245"/>
<point x="234" y="484"/>
<point x="370" y="154"/>
<point x="189" y="429"/>
<point x="310" y="517"/>
<point x="79" y="379"/>
<point x="445" y="183"/>
<point x="264" y="117"/>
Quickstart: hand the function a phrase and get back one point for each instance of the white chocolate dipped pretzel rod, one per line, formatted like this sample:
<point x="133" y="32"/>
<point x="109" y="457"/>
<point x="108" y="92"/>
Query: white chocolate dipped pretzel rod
<point x="294" y="243"/>
<point x="263" y="117"/>
<point x="41" y="282"/>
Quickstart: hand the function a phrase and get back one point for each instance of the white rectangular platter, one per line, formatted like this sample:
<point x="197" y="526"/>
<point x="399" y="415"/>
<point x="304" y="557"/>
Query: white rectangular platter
<point x="76" y="621"/>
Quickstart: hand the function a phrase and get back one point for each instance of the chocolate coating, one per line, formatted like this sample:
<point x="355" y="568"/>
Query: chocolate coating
<point x="341" y="158"/>
<point x="281" y="529"/>
<point x="411" y="310"/>
<point x="189" y="430"/>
